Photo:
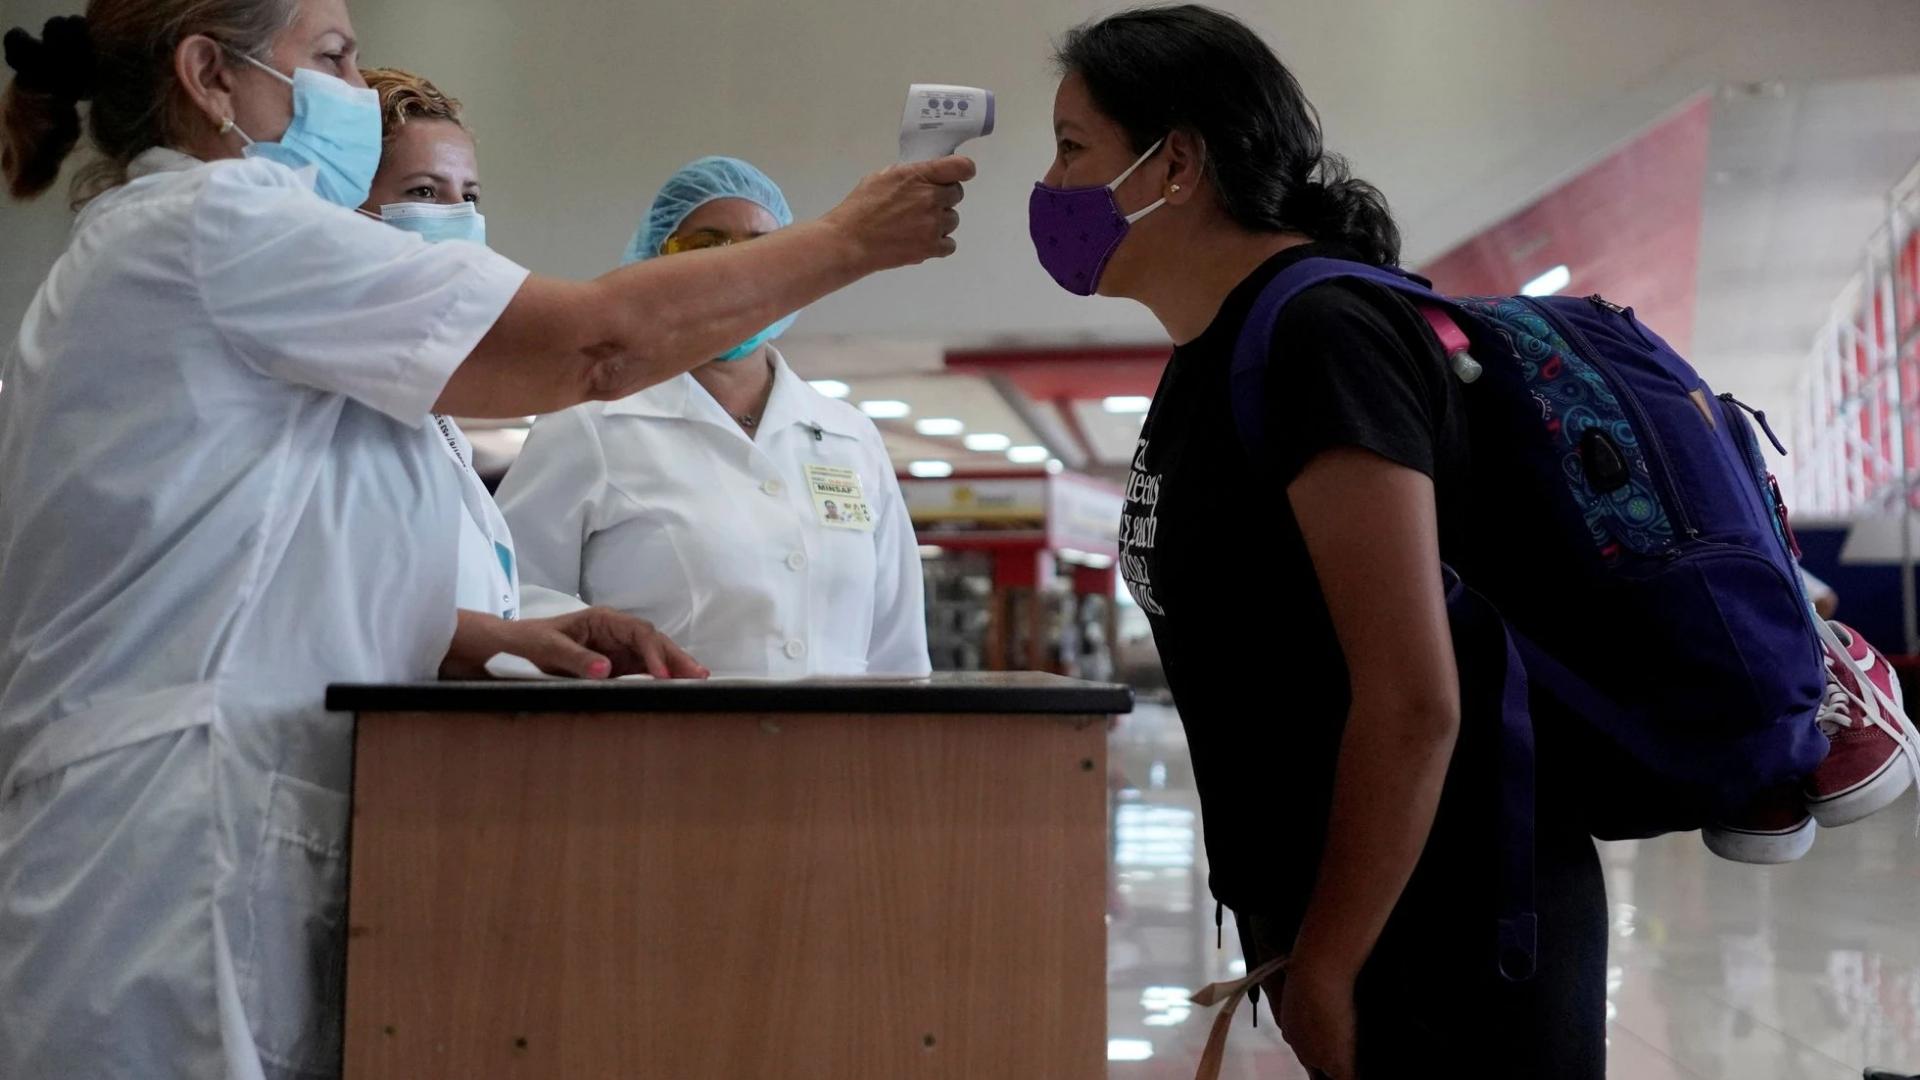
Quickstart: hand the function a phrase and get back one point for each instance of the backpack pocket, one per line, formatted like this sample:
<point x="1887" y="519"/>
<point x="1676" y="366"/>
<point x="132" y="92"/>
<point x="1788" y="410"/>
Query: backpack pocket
<point x="1599" y="434"/>
<point x="1722" y="663"/>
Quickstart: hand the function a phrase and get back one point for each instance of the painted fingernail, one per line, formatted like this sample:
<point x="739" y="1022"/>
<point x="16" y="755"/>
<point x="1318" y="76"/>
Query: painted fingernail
<point x="600" y="669"/>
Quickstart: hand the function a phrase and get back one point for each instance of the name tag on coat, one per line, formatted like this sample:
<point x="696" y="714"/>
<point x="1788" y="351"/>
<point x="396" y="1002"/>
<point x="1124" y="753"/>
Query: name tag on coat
<point x="839" y="502"/>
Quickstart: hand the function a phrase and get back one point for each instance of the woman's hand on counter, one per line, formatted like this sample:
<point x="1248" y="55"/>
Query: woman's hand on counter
<point x="634" y="645"/>
<point x="595" y="643"/>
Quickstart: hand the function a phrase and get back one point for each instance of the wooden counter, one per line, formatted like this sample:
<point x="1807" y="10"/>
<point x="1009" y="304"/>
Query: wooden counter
<point x="732" y="880"/>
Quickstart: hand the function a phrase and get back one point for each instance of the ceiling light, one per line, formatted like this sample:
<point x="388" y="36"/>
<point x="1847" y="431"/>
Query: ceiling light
<point x="885" y="409"/>
<point x="1129" y="1049"/>
<point x="1127" y="406"/>
<point x="1028" y="455"/>
<point x="1548" y="283"/>
<point x="939" y="426"/>
<point x="931" y="470"/>
<point x="988" y="442"/>
<point x="832" y="388"/>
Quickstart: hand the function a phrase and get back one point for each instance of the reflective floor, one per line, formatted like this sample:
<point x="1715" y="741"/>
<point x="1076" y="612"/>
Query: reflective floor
<point x="1717" y="970"/>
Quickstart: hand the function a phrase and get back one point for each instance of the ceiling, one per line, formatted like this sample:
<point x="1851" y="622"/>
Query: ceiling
<point x="1730" y="225"/>
<point x="1797" y="182"/>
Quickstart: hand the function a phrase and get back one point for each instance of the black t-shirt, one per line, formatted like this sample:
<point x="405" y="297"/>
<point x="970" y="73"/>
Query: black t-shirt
<point x="1212" y="552"/>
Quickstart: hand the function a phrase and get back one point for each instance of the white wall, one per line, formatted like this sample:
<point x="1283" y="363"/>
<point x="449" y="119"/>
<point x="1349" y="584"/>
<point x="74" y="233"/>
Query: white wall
<point x="1460" y="110"/>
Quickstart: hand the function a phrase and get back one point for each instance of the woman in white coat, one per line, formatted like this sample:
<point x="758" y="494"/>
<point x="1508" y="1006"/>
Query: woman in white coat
<point x="219" y="492"/>
<point x="776" y="542"/>
<point x="429" y="183"/>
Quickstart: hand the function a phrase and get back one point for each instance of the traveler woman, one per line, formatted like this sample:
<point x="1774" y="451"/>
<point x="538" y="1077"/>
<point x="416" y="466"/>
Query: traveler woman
<point x="1342" y="763"/>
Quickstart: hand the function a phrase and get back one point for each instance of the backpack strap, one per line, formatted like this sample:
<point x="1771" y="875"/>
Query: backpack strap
<point x="1481" y="636"/>
<point x="1248" y="376"/>
<point x="1214" y="1055"/>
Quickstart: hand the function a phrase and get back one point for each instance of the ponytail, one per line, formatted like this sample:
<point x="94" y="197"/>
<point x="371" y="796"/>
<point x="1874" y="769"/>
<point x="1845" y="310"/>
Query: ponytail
<point x="118" y="58"/>
<point x="1336" y="206"/>
<point x="40" y="111"/>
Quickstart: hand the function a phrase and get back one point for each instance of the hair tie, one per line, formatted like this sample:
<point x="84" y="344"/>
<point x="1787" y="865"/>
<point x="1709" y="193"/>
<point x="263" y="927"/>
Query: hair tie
<point x="1307" y="200"/>
<point x="59" y="62"/>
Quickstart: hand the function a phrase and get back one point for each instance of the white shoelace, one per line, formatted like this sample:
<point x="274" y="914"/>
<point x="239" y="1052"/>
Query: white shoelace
<point x="1881" y="710"/>
<point x="1833" y="717"/>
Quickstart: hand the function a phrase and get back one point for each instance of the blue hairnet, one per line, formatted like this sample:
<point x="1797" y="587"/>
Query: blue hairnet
<point x="695" y="186"/>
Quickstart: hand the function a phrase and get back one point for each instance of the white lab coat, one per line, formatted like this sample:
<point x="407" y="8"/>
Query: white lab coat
<point x="488" y="573"/>
<point x="660" y="505"/>
<point x="218" y="494"/>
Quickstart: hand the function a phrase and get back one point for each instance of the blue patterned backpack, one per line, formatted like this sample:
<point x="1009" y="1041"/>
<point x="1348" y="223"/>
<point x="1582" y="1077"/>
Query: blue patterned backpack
<point x="1630" y="548"/>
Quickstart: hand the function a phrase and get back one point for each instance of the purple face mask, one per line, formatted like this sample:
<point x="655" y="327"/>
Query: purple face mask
<point x="1077" y="230"/>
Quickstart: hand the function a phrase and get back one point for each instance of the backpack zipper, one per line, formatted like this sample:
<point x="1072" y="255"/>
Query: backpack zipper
<point x="1756" y="466"/>
<point x="1662" y="472"/>
<point x="1759" y="415"/>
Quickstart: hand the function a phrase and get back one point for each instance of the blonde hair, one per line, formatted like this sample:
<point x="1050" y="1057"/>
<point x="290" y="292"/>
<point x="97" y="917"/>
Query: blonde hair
<point x="119" y="57"/>
<point x="405" y="96"/>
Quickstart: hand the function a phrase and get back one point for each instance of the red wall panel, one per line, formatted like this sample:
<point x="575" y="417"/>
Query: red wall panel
<point x="1628" y="228"/>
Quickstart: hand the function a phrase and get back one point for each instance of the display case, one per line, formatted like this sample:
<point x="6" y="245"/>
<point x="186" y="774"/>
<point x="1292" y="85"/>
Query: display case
<point x="1019" y="571"/>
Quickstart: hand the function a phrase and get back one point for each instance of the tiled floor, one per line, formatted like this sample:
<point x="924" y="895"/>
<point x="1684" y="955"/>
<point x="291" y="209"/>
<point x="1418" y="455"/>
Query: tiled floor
<point x="1718" y="971"/>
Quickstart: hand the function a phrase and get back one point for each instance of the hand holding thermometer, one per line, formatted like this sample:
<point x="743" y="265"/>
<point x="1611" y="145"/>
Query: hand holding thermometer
<point x="939" y="118"/>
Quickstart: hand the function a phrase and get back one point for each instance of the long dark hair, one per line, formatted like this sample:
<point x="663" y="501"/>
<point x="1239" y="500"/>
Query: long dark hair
<point x="1191" y="68"/>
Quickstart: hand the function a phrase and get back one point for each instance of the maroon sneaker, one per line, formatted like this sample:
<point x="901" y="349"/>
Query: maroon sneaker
<point x="1775" y="829"/>
<point x="1873" y="760"/>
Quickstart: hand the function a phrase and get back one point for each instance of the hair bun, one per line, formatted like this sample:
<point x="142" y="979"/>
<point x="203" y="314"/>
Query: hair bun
<point x="1331" y="204"/>
<point x="59" y="62"/>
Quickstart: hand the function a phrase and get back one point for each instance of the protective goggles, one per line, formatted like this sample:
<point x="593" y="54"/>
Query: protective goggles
<point x="700" y="240"/>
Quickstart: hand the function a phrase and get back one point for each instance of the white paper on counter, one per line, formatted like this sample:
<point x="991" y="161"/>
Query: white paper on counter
<point x="509" y="666"/>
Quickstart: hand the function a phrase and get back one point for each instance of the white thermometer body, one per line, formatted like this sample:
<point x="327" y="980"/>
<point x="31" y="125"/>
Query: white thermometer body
<point x="938" y="118"/>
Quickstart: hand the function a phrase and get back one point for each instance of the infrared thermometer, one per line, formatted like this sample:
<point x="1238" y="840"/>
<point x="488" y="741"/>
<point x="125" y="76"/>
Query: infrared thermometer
<point x="939" y="118"/>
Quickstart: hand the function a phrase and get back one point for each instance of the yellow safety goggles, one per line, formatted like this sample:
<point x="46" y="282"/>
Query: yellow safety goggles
<point x="700" y="240"/>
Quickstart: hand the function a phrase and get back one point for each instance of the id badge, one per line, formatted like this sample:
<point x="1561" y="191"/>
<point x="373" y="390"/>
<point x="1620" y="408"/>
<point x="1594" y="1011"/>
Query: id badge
<point x="839" y="502"/>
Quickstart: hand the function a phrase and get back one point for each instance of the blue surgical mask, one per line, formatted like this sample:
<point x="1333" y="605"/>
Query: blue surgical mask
<point x="335" y="130"/>
<point x="438" y="221"/>
<point x="752" y="345"/>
